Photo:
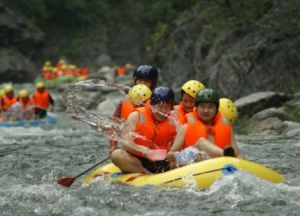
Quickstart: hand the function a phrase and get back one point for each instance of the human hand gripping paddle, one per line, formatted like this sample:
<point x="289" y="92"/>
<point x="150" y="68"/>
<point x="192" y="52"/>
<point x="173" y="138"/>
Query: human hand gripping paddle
<point x="68" y="181"/>
<point x="153" y="155"/>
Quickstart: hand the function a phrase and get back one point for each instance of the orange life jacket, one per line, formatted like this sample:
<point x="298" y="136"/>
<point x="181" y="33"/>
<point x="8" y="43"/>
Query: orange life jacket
<point x="8" y="102"/>
<point x="179" y="113"/>
<point x="154" y="136"/>
<point x="1" y="105"/>
<point x="220" y="130"/>
<point x="121" y="71"/>
<point x="126" y="108"/>
<point x="41" y="100"/>
<point x="84" y="71"/>
<point x="26" y="104"/>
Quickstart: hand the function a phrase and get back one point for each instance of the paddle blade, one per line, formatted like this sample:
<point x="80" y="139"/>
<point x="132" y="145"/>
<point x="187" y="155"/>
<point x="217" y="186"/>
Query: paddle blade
<point x="157" y="155"/>
<point x="66" y="181"/>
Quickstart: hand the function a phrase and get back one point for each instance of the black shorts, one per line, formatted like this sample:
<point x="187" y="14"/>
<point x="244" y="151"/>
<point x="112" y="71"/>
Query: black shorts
<point x="40" y="113"/>
<point x="155" y="166"/>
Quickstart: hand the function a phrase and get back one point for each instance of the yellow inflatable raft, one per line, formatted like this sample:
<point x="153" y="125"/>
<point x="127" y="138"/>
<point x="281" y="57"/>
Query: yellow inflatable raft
<point x="204" y="173"/>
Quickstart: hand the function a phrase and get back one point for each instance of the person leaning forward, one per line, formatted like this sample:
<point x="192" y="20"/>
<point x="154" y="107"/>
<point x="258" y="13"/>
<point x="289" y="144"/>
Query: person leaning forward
<point x="153" y="132"/>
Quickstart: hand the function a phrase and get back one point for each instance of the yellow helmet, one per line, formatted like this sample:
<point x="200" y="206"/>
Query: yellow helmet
<point x="8" y="88"/>
<point x="228" y="110"/>
<point x="47" y="63"/>
<point x="61" y="61"/>
<point x="192" y="87"/>
<point x="40" y="85"/>
<point x="139" y="94"/>
<point x="23" y="93"/>
<point x="1" y="93"/>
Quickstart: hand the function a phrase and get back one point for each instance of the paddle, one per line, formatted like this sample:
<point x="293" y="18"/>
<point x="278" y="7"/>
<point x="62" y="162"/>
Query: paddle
<point x="68" y="181"/>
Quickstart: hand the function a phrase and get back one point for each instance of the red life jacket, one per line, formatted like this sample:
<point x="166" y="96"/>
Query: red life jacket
<point x="220" y="130"/>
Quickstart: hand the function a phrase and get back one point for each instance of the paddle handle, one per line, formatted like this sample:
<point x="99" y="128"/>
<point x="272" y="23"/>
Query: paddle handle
<point x="92" y="167"/>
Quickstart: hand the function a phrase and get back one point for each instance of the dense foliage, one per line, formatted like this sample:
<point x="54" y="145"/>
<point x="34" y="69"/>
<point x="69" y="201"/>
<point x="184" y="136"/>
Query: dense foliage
<point x="93" y="13"/>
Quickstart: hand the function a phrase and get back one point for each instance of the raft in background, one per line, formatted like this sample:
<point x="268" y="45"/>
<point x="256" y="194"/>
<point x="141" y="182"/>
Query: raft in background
<point x="204" y="173"/>
<point x="48" y="119"/>
<point x="61" y="80"/>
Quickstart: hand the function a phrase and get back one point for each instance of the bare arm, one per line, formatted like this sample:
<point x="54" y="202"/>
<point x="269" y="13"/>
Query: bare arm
<point x="129" y="145"/>
<point x="235" y="147"/>
<point x="178" y="143"/>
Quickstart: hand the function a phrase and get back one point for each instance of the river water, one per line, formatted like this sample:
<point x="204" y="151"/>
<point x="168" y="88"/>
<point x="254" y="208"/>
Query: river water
<point x="32" y="159"/>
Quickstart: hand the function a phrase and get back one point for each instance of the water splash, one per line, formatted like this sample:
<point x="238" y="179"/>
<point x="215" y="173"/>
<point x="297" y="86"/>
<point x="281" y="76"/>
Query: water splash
<point x="109" y="127"/>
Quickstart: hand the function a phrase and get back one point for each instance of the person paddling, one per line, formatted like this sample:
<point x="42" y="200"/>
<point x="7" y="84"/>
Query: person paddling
<point x="153" y="132"/>
<point x="206" y="130"/>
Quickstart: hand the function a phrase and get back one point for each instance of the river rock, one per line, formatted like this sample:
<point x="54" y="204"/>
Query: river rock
<point x="253" y="103"/>
<point x="15" y="67"/>
<point x="106" y="107"/>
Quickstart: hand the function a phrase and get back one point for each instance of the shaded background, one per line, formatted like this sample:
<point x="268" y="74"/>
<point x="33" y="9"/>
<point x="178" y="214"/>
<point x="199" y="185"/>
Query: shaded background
<point x="238" y="47"/>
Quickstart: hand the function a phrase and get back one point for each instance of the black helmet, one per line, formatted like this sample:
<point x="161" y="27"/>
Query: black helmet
<point x="207" y="95"/>
<point x="162" y="94"/>
<point x="146" y="72"/>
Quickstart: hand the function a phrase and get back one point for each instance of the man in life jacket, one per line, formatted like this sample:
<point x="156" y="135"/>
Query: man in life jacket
<point x="206" y="130"/>
<point x="42" y="100"/>
<point x="138" y="95"/>
<point x="144" y="74"/>
<point x="187" y="103"/>
<point x="9" y="97"/>
<point x="149" y="133"/>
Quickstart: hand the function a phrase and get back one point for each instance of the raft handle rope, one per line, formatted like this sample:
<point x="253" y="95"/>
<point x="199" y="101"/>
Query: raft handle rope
<point x="227" y="170"/>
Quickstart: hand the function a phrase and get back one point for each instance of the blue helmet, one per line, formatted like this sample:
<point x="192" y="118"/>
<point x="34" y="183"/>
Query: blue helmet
<point x="146" y="72"/>
<point x="162" y="94"/>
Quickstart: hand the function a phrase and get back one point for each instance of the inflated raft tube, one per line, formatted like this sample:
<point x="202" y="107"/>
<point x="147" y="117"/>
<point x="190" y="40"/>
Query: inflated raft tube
<point x="204" y="173"/>
<point x="48" y="119"/>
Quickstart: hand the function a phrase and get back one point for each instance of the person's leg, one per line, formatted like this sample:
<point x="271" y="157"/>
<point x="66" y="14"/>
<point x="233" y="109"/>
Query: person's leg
<point x="40" y="113"/>
<point x="209" y="148"/>
<point x="127" y="162"/>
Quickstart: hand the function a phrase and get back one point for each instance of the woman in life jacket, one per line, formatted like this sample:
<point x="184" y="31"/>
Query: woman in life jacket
<point x="206" y="131"/>
<point x="138" y="95"/>
<point x="188" y="93"/>
<point x="149" y="135"/>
